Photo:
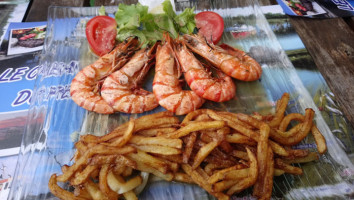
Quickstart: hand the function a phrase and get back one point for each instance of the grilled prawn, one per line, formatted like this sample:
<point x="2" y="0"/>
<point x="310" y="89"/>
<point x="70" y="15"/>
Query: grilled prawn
<point x="166" y="84"/>
<point x="238" y="65"/>
<point x="122" y="88"/>
<point x="201" y="81"/>
<point x="85" y="87"/>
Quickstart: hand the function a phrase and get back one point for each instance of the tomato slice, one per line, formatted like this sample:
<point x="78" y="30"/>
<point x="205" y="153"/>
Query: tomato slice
<point x="210" y="25"/>
<point x="101" y="32"/>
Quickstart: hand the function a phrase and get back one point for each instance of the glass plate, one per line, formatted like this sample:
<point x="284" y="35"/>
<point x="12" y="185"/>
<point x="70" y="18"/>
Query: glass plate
<point x="55" y="121"/>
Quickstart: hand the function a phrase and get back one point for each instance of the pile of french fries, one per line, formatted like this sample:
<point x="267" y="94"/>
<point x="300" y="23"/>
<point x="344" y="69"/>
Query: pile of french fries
<point x="222" y="152"/>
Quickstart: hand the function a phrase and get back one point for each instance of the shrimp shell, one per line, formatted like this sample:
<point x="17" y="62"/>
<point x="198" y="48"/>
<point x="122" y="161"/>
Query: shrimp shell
<point x="166" y="84"/>
<point x="200" y="81"/>
<point x="121" y="89"/>
<point x="85" y="87"/>
<point x="237" y="65"/>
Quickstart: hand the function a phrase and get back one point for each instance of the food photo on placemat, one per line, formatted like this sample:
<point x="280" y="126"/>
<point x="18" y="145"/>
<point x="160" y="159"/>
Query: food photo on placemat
<point x="26" y="40"/>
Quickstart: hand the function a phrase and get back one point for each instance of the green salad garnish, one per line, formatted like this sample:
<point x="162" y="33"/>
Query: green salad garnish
<point x="135" y="20"/>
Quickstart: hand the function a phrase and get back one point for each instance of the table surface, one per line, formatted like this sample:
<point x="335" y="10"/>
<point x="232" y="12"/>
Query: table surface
<point x="330" y="42"/>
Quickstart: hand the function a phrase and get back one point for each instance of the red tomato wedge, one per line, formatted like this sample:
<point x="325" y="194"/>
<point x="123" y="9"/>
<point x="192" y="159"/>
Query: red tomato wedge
<point x="210" y="25"/>
<point x="101" y="32"/>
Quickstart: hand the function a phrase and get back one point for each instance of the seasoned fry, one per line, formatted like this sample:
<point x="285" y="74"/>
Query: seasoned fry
<point x="240" y="154"/>
<point x="280" y="164"/>
<point x="164" y="150"/>
<point x="305" y="129"/>
<point x="60" y="192"/>
<point x="280" y="110"/>
<point x="147" y="159"/>
<point x="168" y="142"/>
<point x="128" y="133"/>
<point x="182" y="177"/>
<point x="319" y="139"/>
<point x="250" y="180"/>
<point x="119" y="185"/>
<point x="267" y="186"/>
<point x="203" y="153"/>
<point x="154" y="131"/>
<point x="82" y="176"/>
<point x="98" y="149"/>
<point x="263" y="160"/>
<point x="94" y="191"/>
<point x="102" y="183"/>
<point x="190" y="140"/>
<point x="234" y="172"/>
<point x="278" y="172"/>
<point x="286" y="120"/>
<point x="130" y="195"/>
<point x="81" y="191"/>
<point x="312" y="156"/>
<point x="197" y="178"/>
<point x="196" y="126"/>
<point x="222" y="152"/>
<point x="240" y="139"/>
<point x="190" y="116"/>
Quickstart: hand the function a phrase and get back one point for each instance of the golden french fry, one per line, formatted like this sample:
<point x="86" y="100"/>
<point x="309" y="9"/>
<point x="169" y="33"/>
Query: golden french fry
<point x="190" y="140"/>
<point x="203" y="153"/>
<point x="250" y="180"/>
<point x="196" y="177"/>
<point x="168" y="142"/>
<point x="151" y="123"/>
<point x="267" y="186"/>
<point x="319" y="139"/>
<point x="119" y="185"/>
<point x="182" y="177"/>
<point x="228" y="117"/>
<point x="250" y="120"/>
<point x="280" y="110"/>
<point x="211" y="167"/>
<point x="195" y="126"/>
<point x="263" y="159"/>
<point x="202" y="173"/>
<point x="280" y="164"/>
<point x="127" y="172"/>
<point x="130" y="195"/>
<point x="224" y="184"/>
<point x="190" y="116"/>
<point x="240" y="139"/>
<point x="171" y="158"/>
<point x="157" y="170"/>
<point x="94" y="191"/>
<point x="89" y="139"/>
<point x="60" y="192"/>
<point x="102" y="159"/>
<point x="82" y="176"/>
<point x="97" y="149"/>
<point x="240" y="154"/>
<point x="81" y="192"/>
<point x="277" y="148"/>
<point x="302" y="133"/>
<point x="312" y="156"/>
<point x="102" y="183"/>
<point x="237" y="174"/>
<point x="219" y="175"/>
<point x="164" y="150"/>
<point x="278" y="172"/>
<point x="147" y="159"/>
<point x="154" y="131"/>
<point x="128" y="133"/>
<point x="288" y="118"/>
<point x="286" y="134"/>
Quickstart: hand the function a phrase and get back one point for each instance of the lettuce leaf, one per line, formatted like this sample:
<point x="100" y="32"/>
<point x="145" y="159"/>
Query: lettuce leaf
<point x="135" y="20"/>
